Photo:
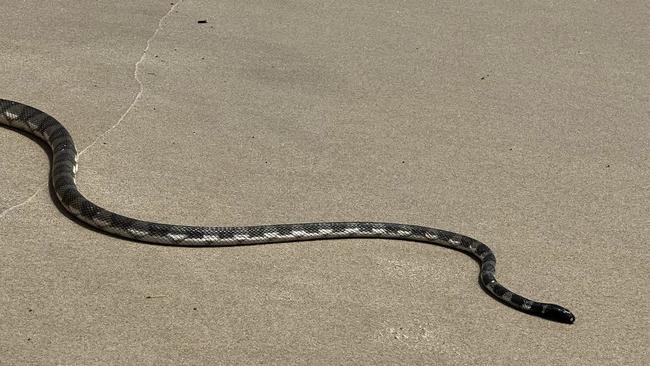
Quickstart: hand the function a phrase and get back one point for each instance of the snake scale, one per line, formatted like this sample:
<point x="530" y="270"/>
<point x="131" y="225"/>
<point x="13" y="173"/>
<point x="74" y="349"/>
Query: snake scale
<point x="64" y="169"/>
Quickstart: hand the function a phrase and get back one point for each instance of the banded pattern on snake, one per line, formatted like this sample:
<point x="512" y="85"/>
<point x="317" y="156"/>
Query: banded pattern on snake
<point x="64" y="169"/>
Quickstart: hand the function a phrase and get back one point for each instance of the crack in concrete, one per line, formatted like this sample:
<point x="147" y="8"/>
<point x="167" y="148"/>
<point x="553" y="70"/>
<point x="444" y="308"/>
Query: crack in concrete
<point x="128" y="110"/>
<point x="136" y="77"/>
<point x="5" y="212"/>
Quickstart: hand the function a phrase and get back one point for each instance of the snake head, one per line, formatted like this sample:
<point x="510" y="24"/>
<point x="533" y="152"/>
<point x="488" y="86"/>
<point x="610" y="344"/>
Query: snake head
<point x="557" y="313"/>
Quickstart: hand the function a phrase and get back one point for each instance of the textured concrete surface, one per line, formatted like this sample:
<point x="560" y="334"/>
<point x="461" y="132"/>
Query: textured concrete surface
<point x="524" y="125"/>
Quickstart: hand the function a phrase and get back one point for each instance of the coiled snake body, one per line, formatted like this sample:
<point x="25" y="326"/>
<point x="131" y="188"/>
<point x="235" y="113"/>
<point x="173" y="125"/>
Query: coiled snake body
<point x="64" y="168"/>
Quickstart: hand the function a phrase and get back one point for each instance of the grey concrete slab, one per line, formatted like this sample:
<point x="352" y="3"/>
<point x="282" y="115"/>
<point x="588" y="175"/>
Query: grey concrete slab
<point x="523" y="125"/>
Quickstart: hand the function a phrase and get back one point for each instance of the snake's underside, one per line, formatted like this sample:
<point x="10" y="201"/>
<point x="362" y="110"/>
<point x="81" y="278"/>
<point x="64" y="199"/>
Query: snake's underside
<point x="64" y="168"/>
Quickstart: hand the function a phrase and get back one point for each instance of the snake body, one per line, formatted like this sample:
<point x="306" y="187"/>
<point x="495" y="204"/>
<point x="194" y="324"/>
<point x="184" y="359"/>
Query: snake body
<point x="64" y="169"/>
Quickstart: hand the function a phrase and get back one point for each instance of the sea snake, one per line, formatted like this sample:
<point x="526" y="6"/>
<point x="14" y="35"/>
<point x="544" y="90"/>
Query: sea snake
<point x="64" y="169"/>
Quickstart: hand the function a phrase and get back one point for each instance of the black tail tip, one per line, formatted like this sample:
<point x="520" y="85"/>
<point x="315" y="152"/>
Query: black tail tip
<point x="558" y="314"/>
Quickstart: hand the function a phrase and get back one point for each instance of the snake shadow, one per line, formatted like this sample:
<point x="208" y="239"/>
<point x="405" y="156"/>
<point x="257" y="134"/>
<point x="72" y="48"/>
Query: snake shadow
<point x="50" y="187"/>
<point x="53" y="197"/>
